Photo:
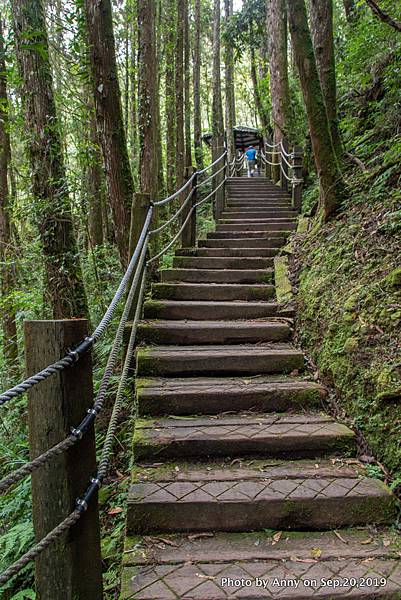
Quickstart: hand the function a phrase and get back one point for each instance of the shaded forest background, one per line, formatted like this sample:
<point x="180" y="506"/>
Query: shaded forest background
<point x="346" y="268"/>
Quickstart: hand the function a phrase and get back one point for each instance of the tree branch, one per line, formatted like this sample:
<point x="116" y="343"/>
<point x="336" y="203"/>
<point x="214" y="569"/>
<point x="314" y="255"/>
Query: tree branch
<point x="383" y="16"/>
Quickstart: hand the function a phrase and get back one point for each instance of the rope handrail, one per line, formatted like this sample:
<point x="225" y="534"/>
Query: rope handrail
<point x="212" y="176"/>
<point x="175" y="215"/>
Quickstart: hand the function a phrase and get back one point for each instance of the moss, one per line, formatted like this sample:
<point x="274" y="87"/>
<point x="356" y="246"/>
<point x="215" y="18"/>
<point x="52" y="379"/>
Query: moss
<point x="282" y="281"/>
<point x="394" y="278"/>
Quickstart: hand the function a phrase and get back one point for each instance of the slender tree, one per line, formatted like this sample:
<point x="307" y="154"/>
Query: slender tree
<point x="260" y="108"/>
<point x="331" y="187"/>
<point x="64" y="286"/>
<point x="383" y="16"/>
<point x="350" y="10"/>
<point x="169" y="54"/>
<point x="217" y="116"/>
<point x="6" y="271"/>
<point x="187" y="89"/>
<point x="148" y="89"/>
<point x="229" y="85"/>
<point x="321" y="15"/>
<point x="94" y="182"/>
<point x="197" y="94"/>
<point x="179" y="94"/>
<point x="109" y="117"/>
<point x="278" y="62"/>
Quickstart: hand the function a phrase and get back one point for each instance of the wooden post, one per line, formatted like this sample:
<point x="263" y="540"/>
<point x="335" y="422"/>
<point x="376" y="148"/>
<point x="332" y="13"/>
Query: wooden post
<point x="284" y="166"/>
<point x="188" y="235"/>
<point x="139" y="210"/>
<point x="297" y="174"/>
<point x="71" y="568"/>
<point x="268" y="171"/>
<point x="219" y="195"/>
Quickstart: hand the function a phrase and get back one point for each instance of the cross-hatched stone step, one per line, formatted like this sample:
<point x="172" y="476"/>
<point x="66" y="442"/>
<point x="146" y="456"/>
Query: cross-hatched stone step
<point x="212" y="395"/>
<point x="218" y="275"/>
<point x="246" y="243"/>
<point x="212" y="291"/>
<point x="202" y="310"/>
<point x="212" y="332"/>
<point x="290" y="436"/>
<point x="216" y="567"/>
<point x="218" y="360"/>
<point x="222" y="262"/>
<point x="227" y="252"/>
<point x="236" y="498"/>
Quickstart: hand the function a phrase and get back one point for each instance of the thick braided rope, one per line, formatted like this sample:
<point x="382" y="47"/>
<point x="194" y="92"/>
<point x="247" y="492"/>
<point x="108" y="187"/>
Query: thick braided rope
<point x="38" y="548"/>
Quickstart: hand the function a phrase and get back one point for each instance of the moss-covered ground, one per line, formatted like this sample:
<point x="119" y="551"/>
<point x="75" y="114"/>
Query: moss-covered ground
<point x="348" y="279"/>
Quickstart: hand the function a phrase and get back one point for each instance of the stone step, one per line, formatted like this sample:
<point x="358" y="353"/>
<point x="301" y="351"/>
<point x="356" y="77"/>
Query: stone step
<point x="217" y="360"/>
<point x="266" y="235"/>
<point x="251" y="242"/>
<point x="217" y="275"/>
<point x="208" y="395"/>
<point x="259" y="214"/>
<point x="249" y="195"/>
<point x="222" y="262"/>
<point x="239" y="497"/>
<point x="276" y="225"/>
<point x="212" y="332"/>
<point x="227" y="251"/>
<point x="278" y="436"/>
<point x="205" y="291"/>
<point x="256" y="565"/>
<point x="202" y="310"/>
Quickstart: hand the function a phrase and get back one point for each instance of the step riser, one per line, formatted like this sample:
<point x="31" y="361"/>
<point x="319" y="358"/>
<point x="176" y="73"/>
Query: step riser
<point x="301" y="514"/>
<point x="222" y="276"/>
<point x="257" y="215"/>
<point x="230" y="252"/>
<point x="263" y="227"/>
<point x="201" y="313"/>
<point x="266" y="235"/>
<point x="223" y="293"/>
<point x="189" y="262"/>
<point x="294" y="447"/>
<point x="242" y="243"/>
<point x="185" y="366"/>
<point x="214" y="400"/>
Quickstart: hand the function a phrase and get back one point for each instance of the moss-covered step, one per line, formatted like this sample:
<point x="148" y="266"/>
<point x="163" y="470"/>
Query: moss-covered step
<point x="212" y="332"/>
<point x="211" y="395"/>
<point x="237" y="234"/>
<point x="244" y="242"/>
<point x="271" y="225"/>
<point x="202" y="310"/>
<point x="289" y="436"/>
<point x="212" y="360"/>
<point x="212" y="291"/>
<point x="255" y="251"/>
<point x="222" y="262"/>
<point x="204" y="497"/>
<point x="218" y="275"/>
<point x="261" y="564"/>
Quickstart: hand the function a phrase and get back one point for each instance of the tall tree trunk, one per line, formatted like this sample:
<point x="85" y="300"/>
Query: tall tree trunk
<point x="133" y="139"/>
<point x="278" y="61"/>
<point x="325" y="158"/>
<point x="159" y="59"/>
<point x="10" y="346"/>
<point x="187" y="88"/>
<point x="321" y="13"/>
<point x="217" y="110"/>
<point x="147" y="78"/>
<point x="109" y="117"/>
<point x="229" y="86"/>
<point x="64" y="286"/>
<point x="179" y="95"/>
<point x="197" y="85"/>
<point x="94" y="183"/>
<point x="264" y="119"/>
<point x="170" y="106"/>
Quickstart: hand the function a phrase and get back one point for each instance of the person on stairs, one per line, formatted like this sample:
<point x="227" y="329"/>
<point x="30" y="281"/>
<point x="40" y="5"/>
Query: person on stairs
<point x="251" y="158"/>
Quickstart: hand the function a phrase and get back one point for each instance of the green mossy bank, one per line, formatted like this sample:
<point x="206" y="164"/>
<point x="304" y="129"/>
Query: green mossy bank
<point x="348" y="278"/>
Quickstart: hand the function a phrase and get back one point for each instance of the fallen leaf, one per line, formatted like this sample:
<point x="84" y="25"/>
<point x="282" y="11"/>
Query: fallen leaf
<point x="167" y="542"/>
<point x="197" y="536"/>
<point x="115" y="511"/>
<point x="316" y="553"/>
<point x="276" y="537"/>
<point x="302" y="560"/>
<point x="201" y="576"/>
<point x="368" y="541"/>
<point x="386" y="543"/>
<point x="339" y="537"/>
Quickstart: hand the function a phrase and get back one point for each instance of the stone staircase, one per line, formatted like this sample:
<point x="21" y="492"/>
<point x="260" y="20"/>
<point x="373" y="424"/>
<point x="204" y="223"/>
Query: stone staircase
<point x="242" y="486"/>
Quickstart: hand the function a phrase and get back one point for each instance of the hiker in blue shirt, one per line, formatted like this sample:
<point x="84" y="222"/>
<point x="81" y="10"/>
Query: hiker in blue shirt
<point x="251" y="158"/>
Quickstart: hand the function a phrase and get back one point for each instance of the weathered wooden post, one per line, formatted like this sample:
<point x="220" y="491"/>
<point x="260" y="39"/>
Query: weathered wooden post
<point x="188" y="235"/>
<point x="284" y="165"/>
<point x="297" y="175"/>
<point x="268" y="172"/>
<point x="219" y="195"/>
<point x="139" y="210"/>
<point x="71" y="568"/>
